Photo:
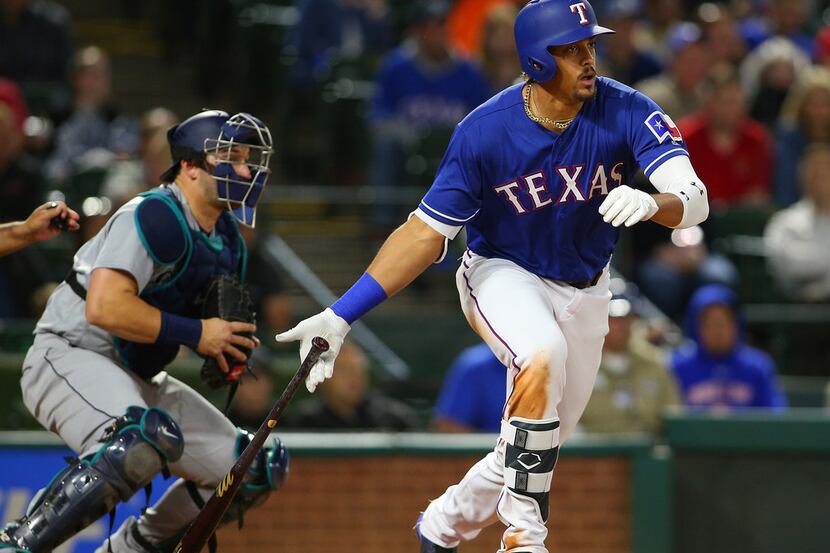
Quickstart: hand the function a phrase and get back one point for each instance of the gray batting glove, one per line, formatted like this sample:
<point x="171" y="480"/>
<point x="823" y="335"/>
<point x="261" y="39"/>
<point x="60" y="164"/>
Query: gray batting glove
<point x="627" y="205"/>
<point x="326" y="325"/>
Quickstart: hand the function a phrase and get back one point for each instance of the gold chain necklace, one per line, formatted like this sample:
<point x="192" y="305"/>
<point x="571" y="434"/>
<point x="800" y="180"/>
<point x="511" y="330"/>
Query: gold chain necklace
<point x="542" y="120"/>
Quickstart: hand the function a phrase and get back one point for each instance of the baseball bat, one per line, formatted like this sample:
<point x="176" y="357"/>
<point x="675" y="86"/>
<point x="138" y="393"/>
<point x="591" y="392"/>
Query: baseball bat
<point x="205" y="523"/>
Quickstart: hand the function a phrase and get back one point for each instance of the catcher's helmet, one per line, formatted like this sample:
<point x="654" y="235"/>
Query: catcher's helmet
<point x="544" y="23"/>
<point x="215" y="132"/>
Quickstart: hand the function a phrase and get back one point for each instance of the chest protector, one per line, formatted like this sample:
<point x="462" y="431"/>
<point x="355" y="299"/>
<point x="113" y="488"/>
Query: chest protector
<point x="189" y="258"/>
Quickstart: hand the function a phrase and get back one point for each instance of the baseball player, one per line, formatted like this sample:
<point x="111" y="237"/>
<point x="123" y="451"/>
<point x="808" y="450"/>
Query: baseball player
<point x="45" y="222"/>
<point x="540" y="175"/>
<point x="95" y="373"/>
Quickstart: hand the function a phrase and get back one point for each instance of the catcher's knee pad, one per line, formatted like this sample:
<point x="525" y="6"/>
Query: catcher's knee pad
<point x="136" y="447"/>
<point x="529" y="457"/>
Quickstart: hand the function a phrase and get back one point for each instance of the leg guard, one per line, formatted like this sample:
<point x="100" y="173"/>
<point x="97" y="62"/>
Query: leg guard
<point x="136" y="448"/>
<point x="529" y="458"/>
<point x="267" y="474"/>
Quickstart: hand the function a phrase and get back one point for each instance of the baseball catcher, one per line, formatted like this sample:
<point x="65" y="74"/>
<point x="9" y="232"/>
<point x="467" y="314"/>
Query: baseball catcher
<point x="164" y="272"/>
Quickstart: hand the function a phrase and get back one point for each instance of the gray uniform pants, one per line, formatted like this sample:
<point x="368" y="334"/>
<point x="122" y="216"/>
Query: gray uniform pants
<point x="76" y="393"/>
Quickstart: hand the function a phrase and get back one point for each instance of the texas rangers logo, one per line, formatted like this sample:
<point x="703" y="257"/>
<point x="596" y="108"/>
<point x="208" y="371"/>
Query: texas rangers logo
<point x="662" y="127"/>
<point x="580" y="8"/>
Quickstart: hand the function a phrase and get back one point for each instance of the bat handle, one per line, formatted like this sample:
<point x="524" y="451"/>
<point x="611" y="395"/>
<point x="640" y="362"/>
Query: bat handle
<point x="320" y="343"/>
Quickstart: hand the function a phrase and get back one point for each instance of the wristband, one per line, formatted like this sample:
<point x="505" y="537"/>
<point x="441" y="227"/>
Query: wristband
<point x="358" y="300"/>
<point x="176" y="329"/>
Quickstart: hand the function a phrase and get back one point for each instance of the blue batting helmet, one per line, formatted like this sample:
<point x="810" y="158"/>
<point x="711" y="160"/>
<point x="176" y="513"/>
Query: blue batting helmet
<point x="215" y="132"/>
<point x="544" y="23"/>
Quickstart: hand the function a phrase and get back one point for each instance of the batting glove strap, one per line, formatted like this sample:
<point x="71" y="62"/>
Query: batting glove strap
<point x="523" y="481"/>
<point x="527" y="434"/>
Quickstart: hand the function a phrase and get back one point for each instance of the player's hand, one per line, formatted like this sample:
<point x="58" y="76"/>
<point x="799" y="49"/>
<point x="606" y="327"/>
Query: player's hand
<point x="326" y="325"/>
<point x="48" y="220"/>
<point x="220" y="337"/>
<point x="627" y="205"/>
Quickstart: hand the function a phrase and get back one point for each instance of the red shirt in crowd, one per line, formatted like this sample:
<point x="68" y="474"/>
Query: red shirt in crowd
<point x="740" y="172"/>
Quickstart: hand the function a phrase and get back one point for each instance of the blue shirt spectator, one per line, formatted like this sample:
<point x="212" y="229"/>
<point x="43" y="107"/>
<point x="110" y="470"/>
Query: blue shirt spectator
<point x="715" y="368"/>
<point x="422" y="91"/>
<point x="425" y="93"/>
<point x="472" y="397"/>
<point x="333" y="30"/>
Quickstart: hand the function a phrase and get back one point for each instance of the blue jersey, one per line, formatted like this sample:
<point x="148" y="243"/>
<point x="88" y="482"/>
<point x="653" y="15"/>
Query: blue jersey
<point x="426" y="98"/>
<point x="530" y="195"/>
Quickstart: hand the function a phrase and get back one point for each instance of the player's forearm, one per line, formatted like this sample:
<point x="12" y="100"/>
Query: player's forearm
<point x="407" y="253"/>
<point x="669" y="210"/>
<point x="13" y="237"/>
<point x="124" y="315"/>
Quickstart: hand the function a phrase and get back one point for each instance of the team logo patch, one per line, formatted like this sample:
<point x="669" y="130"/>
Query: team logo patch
<point x="662" y="127"/>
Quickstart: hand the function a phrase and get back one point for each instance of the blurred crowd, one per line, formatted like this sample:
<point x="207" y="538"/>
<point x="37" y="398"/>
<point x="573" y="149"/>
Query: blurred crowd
<point x="367" y="93"/>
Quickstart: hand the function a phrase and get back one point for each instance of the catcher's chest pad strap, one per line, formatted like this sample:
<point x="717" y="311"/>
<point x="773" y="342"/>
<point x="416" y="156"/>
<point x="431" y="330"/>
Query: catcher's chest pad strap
<point x="162" y="228"/>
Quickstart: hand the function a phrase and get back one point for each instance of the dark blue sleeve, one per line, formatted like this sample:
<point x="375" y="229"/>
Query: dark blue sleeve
<point x="456" y="193"/>
<point x="458" y="400"/>
<point x="653" y="136"/>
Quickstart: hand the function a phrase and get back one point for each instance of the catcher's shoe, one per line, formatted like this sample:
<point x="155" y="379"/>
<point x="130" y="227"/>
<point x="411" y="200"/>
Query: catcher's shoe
<point x="426" y="545"/>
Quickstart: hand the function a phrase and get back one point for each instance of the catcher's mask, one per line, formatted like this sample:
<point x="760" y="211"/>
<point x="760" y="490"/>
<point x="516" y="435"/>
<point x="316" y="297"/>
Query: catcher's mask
<point x="244" y="142"/>
<point x="240" y="147"/>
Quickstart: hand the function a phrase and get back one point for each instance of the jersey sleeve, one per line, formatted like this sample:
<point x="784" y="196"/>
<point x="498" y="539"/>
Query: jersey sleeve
<point x="455" y="195"/>
<point x="653" y="136"/>
<point x="123" y="250"/>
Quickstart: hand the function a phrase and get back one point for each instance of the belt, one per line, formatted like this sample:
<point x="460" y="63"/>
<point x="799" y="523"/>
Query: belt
<point x="582" y="284"/>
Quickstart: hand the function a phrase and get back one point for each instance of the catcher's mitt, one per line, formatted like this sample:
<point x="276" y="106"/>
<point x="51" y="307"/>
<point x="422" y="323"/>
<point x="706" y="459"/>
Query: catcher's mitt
<point x="227" y="298"/>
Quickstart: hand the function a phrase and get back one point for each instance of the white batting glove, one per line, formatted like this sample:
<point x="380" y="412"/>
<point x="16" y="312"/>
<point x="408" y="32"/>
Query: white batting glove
<point x="627" y="205"/>
<point x="326" y="325"/>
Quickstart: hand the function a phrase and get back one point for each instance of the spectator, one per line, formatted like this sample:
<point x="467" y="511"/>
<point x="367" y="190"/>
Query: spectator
<point x="498" y="55"/>
<point x="677" y="266"/>
<point x="423" y="91"/>
<point x="633" y="387"/>
<point x="785" y="19"/>
<point x="622" y="58"/>
<point x="768" y="73"/>
<point x="804" y="120"/>
<point x="472" y="397"/>
<point x="345" y="402"/>
<point x="721" y="37"/>
<point x="822" y="46"/>
<point x="715" y="368"/>
<point x="332" y="30"/>
<point x="36" y="47"/>
<point x="94" y="133"/>
<point x="732" y="152"/>
<point x="129" y="177"/>
<point x="21" y="188"/>
<point x="678" y="88"/>
<point x="21" y="184"/>
<point x="797" y="237"/>
<point x="660" y="18"/>
<point x="467" y="22"/>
